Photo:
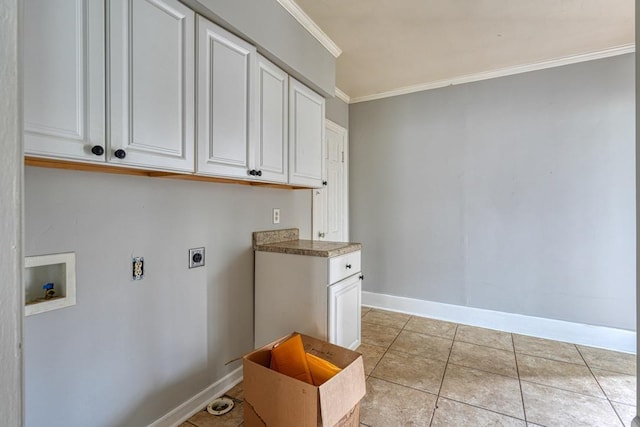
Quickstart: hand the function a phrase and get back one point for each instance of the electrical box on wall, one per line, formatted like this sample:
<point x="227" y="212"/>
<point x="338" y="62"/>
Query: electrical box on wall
<point x="196" y="257"/>
<point x="49" y="282"/>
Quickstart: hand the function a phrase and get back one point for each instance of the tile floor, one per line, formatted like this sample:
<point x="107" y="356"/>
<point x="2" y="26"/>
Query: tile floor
<point x="425" y="372"/>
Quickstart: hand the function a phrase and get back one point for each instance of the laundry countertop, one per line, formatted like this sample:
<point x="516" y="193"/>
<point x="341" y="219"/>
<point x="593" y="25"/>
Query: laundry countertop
<point x="286" y="241"/>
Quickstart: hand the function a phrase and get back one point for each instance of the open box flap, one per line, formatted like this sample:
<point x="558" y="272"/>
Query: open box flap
<point x="301" y="398"/>
<point x="342" y="392"/>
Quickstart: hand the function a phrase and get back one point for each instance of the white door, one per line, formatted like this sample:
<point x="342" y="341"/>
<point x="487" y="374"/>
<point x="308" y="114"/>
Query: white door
<point x="152" y="84"/>
<point x="225" y="86"/>
<point x="306" y="135"/>
<point x="272" y="156"/>
<point x="330" y="204"/>
<point x="64" y="79"/>
<point x="344" y="312"/>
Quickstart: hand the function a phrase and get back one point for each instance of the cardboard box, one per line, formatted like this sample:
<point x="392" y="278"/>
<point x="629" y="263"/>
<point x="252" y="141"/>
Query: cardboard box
<point x="276" y="400"/>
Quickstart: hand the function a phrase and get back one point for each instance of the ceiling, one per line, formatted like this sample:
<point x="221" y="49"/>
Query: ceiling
<point x="398" y="46"/>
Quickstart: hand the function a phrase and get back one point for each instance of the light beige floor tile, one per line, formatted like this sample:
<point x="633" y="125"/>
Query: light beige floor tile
<point x="411" y="371"/>
<point x="609" y="360"/>
<point x="231" y="419"/>
<point x="484" y="358"/>
<point x="548" y="349"/>
<point x="364" y="310"/>
<point x="388" y="404"/>
<point x="618" y="387"/>
<point x="381" y="336"/>
<point x="564" y="375"/>
<point x="626" y="412"/>
<point x="426" y="346"/>
<point x="554" y="407"/>
<point x="371" y="355"/>
<point x="449" y="413"/>
<point x="186" y="424"/>
<point x="386" y="318"/>
<point x="438" y="328"/>
<point x="237" y="391"/>
<point x="487" y="337"/>
<point x="479" y="388"/>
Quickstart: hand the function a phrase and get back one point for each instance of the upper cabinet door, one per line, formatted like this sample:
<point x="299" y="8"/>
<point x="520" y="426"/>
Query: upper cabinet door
<point x="152" y="84"/>
<point x="272" y="154"/>
<point x="225" y="85"/>
<point x="64" y="79"/>
<point x="306" y="135"/>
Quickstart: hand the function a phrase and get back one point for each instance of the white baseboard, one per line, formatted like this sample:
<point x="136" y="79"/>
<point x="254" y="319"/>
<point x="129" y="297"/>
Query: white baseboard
<point x="559" y="330"/>
<point x="189" y="408"/>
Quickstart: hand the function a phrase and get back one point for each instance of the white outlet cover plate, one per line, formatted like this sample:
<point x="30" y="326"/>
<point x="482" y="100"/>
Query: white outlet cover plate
<point x="137" y="268"/>
<point x="193" y="252"/>
<point x="276" y="215"/>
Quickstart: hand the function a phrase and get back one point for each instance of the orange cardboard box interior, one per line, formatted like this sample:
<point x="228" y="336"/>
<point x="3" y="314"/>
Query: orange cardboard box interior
<point x="326" y="391"/>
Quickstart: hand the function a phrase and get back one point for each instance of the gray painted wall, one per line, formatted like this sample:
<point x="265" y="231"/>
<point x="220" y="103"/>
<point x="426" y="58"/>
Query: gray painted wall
<point x="337" y="111"/>
<point x="277" y="35"/>
<point x="11" y="395"/>
<point x="514" y="194"/>
<point x="129" y="352"/>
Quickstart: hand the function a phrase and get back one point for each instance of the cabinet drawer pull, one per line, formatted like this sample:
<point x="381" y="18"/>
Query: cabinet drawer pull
<point x="361" y="277"/>
<point x="348" y="265"/>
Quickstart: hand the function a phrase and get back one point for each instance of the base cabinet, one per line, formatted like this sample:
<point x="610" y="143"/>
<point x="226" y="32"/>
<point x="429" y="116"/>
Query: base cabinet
<point x="313" y="295"/>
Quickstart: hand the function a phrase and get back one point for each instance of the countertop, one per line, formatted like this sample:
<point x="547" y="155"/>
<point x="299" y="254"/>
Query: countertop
<point x="270" y="241"/>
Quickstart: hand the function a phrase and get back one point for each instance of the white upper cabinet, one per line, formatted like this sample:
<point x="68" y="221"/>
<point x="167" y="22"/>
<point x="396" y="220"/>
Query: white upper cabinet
<point x="306" y="135"/>
<point x="225" y="87"/>
<point x="151" y="84"/>
<point x="124" y="93"/>
<point x="64" y="80"/>
<point x="272" y="155"/>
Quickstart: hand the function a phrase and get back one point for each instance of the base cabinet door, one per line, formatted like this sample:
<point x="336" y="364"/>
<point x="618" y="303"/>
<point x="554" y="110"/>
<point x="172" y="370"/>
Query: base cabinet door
<point x="151" y="84"/>
<point x="64" y="79"/>
<point x="344" y="312"/>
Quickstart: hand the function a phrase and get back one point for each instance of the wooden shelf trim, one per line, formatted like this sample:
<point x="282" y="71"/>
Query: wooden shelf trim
<point x="120" y="170"/>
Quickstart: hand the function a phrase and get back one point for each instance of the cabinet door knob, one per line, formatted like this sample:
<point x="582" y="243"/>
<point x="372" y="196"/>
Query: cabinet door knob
<point x="259" y="173"/>
<point x="324" y="183"/>
<point x="120" y="153"/>
<point x="253" y="172"/>
<point x="97" y="150"/>
<point x="348" y="266"/>
<point x="361" y="277"/>
<point x="320" y="234"/>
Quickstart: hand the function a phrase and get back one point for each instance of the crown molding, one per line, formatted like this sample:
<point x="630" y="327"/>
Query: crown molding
<point x="574" y="59"/>
<point x="304" y="20"/>
<point x="343" y="96"/>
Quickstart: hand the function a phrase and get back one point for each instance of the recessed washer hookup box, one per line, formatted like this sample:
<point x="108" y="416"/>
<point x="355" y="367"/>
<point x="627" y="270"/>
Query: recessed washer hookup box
<point x="273" y="399"/>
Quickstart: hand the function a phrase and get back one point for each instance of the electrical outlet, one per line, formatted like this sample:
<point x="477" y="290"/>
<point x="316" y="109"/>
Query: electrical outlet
<point x="276" y="215"/>
<point x="196" y="257"/>
<point x="137" y="272"/>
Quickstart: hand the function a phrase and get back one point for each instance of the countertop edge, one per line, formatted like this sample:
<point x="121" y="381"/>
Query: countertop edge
<point x="273" y="247"/>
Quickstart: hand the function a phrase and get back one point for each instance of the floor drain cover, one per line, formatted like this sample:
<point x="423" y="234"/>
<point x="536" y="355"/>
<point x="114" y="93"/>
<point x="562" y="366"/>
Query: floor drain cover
<point x="220" y="406"/>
